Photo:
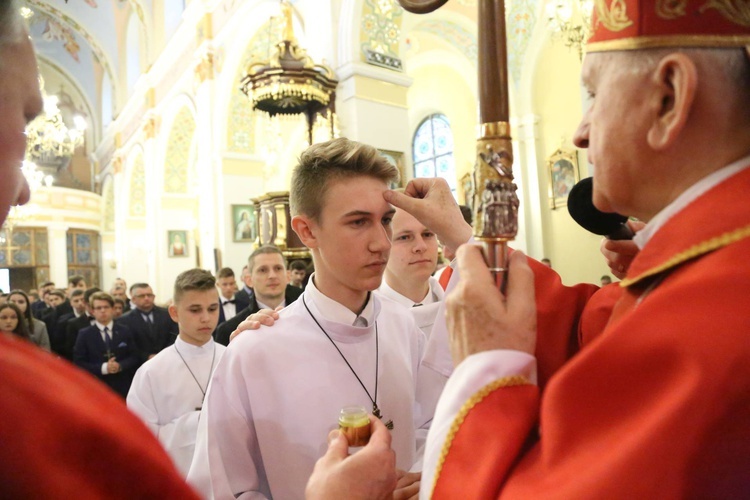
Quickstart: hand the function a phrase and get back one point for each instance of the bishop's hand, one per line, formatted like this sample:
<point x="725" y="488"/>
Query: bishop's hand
<point x="480" y="317"/>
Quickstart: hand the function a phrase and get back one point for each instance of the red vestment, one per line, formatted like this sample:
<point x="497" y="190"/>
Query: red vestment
<point x="655" y="405"/>
<point x="65" y="435"/>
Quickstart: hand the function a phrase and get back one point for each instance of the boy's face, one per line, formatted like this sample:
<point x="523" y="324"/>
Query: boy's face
<point x="297" y="276"/>
<point x="55" y="300"/>
<point x="227" y="286"/>
<point x="102" y="311"/>
<point x="415" y="250"/>
<point x="78" y="303"/>
<point x="352" y="238"/>
<point x="197" y="314"/>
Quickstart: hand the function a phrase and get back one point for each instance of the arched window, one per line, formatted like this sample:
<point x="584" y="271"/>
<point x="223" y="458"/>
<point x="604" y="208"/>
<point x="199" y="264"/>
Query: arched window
<point x="432" y="150"/>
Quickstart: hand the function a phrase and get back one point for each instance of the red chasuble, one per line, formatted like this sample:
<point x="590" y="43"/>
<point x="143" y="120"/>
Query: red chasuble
<point x="655" y="405"/>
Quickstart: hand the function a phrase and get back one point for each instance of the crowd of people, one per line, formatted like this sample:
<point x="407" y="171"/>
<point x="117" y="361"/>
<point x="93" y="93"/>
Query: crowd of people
<point x="638" y="389"/>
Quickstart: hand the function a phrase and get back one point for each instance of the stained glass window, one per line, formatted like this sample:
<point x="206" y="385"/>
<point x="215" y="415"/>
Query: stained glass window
<point x="432" y="150"/>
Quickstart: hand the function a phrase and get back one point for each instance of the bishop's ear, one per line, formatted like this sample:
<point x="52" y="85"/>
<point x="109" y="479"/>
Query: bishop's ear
<point x="305" y="227"/>
<point x="676" y="80"/>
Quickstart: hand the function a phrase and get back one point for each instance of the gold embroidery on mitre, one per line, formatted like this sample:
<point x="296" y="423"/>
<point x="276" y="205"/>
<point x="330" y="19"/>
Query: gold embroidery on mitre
<point x="511" y="381"/>
<point x="614" y="17"/>
<point x="670" y="9"/>
<point x="736" y="11"/>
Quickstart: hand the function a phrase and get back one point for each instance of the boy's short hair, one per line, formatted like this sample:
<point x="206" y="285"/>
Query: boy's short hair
<point x="58" y="293"/>
<point x="265" y="249"/>
<point x="77" y="292"/>
<point x="225" y="272"/>
<point x="47" y="283"/>
<point x="89" y="292"/>
<point x="75" y="280"/>
<point x="297" y="265"/>
<point x="193" y="279"/>
<point x="331" y="160"/>
<point x="101" y="296"/>
<point x="118" y="300"/>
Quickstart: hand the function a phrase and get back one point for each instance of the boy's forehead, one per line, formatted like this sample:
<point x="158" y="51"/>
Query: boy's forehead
<point x="358" y="194"/>
<point x="199" y="296"/>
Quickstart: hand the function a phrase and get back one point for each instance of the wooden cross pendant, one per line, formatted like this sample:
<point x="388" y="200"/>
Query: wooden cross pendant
<point x="377" y="413"/>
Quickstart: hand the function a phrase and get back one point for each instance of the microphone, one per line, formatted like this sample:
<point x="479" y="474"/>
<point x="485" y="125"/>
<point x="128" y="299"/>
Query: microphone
<point x="581" y="208"/>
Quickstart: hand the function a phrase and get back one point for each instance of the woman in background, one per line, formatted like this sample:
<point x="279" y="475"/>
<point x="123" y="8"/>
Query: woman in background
<point x="11" y="321"/>
<point x="37" y="330"/>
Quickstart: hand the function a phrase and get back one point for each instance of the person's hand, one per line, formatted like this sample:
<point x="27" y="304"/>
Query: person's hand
<point x="480" y="318"/>
<point x="619" y="254"/>
<point x="431" y="202"/>
<point x="407" y="487"/>
<point x="368" y="474"/>
<point x="113" y="366"/>
<point x="263" y="317"/>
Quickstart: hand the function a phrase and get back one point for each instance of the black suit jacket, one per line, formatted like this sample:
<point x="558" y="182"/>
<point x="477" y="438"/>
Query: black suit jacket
<point x="38" y="308"/>
<point x="71" y="327"/>
<point x="90" y="352"/>
<point x="224" y="330"/>
<point x="150" y="340"/>
<point x="241" y="301"/>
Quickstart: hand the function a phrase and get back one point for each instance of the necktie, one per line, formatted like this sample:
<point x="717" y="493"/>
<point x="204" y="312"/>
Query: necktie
<point x="107" y="340"/>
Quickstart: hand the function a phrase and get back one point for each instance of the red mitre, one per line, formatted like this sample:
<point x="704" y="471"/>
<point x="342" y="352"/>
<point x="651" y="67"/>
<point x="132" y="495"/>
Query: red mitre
<point x="642" y="24"/>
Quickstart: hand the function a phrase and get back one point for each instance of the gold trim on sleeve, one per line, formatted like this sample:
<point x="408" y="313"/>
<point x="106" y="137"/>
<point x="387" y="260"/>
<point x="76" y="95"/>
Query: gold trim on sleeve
<point x="482" y="393"/>
<point x="648" y="42"/>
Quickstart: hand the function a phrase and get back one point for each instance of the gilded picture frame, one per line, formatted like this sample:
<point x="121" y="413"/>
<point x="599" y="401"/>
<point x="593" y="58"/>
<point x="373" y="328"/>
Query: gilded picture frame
<point x="563" y="174"/>
<point x="396" y="158"/>
<point x="244" y="224"/>
<point x="177" y="243"/>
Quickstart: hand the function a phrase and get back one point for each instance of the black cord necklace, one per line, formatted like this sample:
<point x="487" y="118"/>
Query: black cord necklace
<point x="210" y="372"/>
<point x="375" y="409"/>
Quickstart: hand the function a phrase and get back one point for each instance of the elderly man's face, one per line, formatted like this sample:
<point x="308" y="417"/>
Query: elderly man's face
<point x="20" y="102"/>
<point x="614" y="129"/>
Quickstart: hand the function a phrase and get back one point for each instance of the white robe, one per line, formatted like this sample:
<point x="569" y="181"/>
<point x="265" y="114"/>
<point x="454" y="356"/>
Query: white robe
<point x="165" y="396"/>
<point x="425" y="314"/>
<point x="278" y="391"/>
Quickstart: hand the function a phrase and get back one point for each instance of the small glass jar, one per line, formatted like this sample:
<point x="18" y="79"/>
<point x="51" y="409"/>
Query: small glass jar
<point x="354" y="423"/>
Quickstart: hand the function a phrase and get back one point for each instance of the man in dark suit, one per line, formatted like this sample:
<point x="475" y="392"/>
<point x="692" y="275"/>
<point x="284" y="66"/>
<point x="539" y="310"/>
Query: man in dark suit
<point x="246" y="292"/>
<point x="152" y="327"/>
<point x="69" y="330"/>
<point x="105" y="349"/>
<point x="267" y="268"/>
<point x="38" y="307"/>
<point x="57" y="334"/>
<point x="231" y="302"/>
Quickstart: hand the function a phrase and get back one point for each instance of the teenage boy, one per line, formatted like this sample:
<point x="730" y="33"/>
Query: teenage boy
<point x="278" y="391"/>
<point x="231" y="303"/>
<point x="408" y="276"/>
<point x="106" y="349"/>
<point x="168" y="390"/>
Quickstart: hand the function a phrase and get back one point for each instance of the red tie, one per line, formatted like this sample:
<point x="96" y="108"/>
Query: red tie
<point x="445" y="277"/>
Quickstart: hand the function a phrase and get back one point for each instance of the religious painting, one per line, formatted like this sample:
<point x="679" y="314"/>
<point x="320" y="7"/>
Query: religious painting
<point x="397" y="160"/>
<point x="563" y="175"/>
<point x="244" y="224"/>
<point x="177" y="243"/>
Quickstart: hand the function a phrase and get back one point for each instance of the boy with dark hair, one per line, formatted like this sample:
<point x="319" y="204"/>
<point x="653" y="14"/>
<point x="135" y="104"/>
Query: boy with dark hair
<point x="231" y="303"/>
<point x="297" y="272"/>
<point x="168" y="390"/>
<point x="338" y="345"/>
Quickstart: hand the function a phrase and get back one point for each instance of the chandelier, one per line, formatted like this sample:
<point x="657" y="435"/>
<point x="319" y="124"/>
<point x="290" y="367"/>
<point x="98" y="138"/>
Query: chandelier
<point x="50" y="143"/>
<point x="17" y="214"/>
<point x="290" y="83"/>
<point x="570" y="21"/>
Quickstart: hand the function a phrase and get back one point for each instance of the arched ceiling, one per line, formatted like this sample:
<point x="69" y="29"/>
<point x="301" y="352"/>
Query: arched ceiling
<point x="83" y="39"/>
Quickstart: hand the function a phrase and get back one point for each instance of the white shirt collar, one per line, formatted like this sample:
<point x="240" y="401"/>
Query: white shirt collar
<point x="338" y="313"/>
<point x="101" y="326"/>
<point x="432" y="295"/>
<point x="194" y="350"/>
<point x="687" y="197"/>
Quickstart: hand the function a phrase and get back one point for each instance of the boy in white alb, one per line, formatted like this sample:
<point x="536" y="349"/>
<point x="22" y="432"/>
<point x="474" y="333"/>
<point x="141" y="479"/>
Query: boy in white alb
<point x="278" y="391"/>
<point x="408" y="277"/>
<point x="168" y="390"/>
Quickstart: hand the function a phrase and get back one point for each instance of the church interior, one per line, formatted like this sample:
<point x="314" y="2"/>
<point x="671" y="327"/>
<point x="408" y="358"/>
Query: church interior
<point x="155" y="155"/>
